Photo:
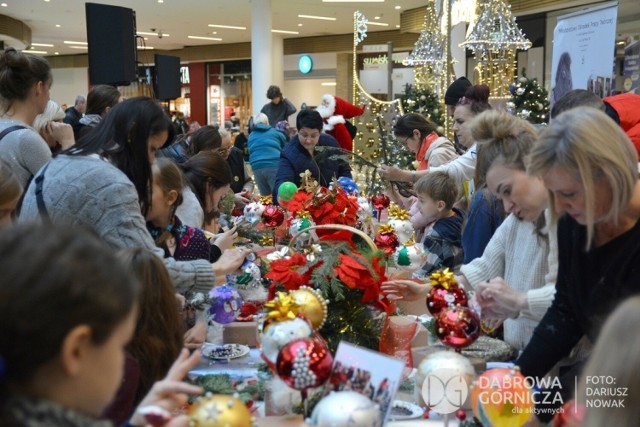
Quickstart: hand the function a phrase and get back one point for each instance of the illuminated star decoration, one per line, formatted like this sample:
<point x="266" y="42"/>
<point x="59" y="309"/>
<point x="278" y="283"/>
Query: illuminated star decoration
<point x="361" y="27"/>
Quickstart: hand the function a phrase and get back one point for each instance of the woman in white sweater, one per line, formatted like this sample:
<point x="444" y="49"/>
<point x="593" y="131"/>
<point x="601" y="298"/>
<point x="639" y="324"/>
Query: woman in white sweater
<point x="514" y="279"/>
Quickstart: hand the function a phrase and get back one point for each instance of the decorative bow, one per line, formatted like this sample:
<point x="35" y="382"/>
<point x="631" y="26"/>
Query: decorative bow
<point x="281" y="308"/>
<point x="397" y="212"/>
<point x="444" y="278"/>
<point x="386" y="229"/>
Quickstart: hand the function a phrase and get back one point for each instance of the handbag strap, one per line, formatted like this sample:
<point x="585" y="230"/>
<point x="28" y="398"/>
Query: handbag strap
<point x="42" y="209"/>
<point x="11" y="129"/>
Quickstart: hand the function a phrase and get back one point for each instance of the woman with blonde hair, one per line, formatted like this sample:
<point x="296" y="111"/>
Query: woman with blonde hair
<point x="43" y="123"/>
<point x="589" y="167"/>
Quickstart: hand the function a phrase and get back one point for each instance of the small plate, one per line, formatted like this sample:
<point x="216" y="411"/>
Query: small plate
<point x="224" y="351"/>
<point x="403" y="410"/>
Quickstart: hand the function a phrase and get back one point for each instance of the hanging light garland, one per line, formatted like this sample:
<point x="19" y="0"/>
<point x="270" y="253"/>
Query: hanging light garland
<point x="494" y="40"/>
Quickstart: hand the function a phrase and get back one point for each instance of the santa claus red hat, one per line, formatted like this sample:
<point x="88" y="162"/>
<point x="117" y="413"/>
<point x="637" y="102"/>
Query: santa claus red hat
<point x="341" y="107"/>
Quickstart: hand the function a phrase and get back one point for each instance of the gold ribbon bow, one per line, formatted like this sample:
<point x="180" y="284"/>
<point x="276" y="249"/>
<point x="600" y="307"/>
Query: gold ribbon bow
<point x="266" y="200"/>
<point x="396" y="212"/>
<point x="303" y="215"/>
<point x="444" y="278"/>
<point x="282" y="308"/>
<point x="386" y="229"/>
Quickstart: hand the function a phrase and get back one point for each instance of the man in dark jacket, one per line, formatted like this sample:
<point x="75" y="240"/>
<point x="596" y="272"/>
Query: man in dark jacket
<point x="279" y="108"/>
<point x="300" y="154"/>
<point x="74" y="114"/>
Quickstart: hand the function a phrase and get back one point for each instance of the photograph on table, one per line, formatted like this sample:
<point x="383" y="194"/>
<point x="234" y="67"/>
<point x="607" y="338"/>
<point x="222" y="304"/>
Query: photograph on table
<point x="367" y="372"/>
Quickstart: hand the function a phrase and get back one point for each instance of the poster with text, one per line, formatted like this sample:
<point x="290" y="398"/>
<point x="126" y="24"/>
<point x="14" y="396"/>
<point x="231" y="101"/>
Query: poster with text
<point x="583" y="51"/>
<point x="632" y="68"/>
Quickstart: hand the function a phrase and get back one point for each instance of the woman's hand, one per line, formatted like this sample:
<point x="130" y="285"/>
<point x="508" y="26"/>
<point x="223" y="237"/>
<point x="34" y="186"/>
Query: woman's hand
<point x="196" y="336"/>
<point x="241" y="199"/>
<point x="230" y="261"/>
<point x="225" y="240"/>
<point x="393" y="173"/>
<point x="408" y="290"/>
<point x="498" y="300"/>
<point x="171" y="393"/>
<point x="62" y="133"/>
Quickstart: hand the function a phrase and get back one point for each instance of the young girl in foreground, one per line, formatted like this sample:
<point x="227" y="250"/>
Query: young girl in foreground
<point x="67" y="310"/>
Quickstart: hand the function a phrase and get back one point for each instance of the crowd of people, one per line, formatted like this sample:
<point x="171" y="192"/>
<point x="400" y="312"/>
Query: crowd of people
<point x="110" y="217"/>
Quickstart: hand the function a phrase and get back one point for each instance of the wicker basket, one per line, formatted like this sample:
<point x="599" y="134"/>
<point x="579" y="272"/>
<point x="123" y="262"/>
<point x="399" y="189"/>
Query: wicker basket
<point x="353" y="230"/>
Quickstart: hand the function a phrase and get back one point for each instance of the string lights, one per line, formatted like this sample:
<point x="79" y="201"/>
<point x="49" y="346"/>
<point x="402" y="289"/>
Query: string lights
<point x="494" y="40"/>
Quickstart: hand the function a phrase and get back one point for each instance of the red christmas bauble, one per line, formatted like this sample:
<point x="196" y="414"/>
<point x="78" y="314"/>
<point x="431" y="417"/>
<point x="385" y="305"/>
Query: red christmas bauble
<point x="304" y="363"/>
<point x="457" y="327"/>
<point x="461" y="414"/>
<point x="380" y="201"/>
<point x="440" y="298"/>
<point x="273" y="216"/>
<point x="387" y="243"/>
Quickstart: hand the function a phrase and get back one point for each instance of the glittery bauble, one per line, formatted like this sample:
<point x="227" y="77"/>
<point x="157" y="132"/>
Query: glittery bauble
<point x="364" y="208"/>
<point x="276" y="335"/>
<point x="300" y="224"/>
<point x="457" y="327"/>
<point x="287" y="190"/>
<point x="304" y="363"/>
<point x="226" y="304"/>
<point x="253" y="212"/>
<point x="404" y="229"/>
<point x="439" y="367"/>
<point x="409" y="257"/>
<point x="349" y="185"/>
<point x="345" y="409"/>
<point x="219" y="410"/>
<point x="311" y="305"/>
<point x="501" y="397"/>
<point x="380" y="201"/>
<point x="273" y="216"/>
<point x="387" y="243"/>
<point x="440" y="298"/>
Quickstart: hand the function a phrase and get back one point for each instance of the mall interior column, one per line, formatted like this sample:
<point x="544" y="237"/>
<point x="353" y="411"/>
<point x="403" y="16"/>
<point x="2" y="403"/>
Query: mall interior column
<point x="261" y="53"/>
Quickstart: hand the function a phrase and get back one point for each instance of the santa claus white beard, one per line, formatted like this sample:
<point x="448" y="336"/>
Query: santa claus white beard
<point x="325" y="111"/>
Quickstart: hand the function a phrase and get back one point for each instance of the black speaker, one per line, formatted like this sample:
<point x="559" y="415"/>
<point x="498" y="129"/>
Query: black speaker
<point x="111" y="36"/>
<point x="167" y="77"/>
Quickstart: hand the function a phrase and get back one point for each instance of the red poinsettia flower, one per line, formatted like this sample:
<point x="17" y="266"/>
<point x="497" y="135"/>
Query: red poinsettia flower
<point x="300" y="202"/>
<point x="286" y="271"/>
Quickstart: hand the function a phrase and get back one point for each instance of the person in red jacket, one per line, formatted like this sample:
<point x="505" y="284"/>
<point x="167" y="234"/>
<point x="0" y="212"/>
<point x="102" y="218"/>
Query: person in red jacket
<point x="624" y="109"/>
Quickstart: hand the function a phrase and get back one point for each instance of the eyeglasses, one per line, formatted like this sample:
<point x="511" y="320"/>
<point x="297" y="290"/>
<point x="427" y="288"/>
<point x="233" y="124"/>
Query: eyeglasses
<point x="305" y="137"/>
<point x="404" y="189"/>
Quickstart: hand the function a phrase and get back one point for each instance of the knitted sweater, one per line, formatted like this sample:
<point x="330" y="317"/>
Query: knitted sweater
<point x="526" y="263"/>
<point x="278" y="112"/>
<point x="24" y="150"/>
<point x="265" y="145"/>
<point x="89" y="191"/>
<point x="462" y="168"/>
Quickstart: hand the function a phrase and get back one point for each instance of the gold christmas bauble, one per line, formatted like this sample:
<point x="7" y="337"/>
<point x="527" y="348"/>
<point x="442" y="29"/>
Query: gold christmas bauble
<point x="220" y="410"/>
<point x="310" y="304"/>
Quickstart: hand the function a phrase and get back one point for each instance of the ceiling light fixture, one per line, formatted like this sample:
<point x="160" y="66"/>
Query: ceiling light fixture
<point x="41" y="44"/>
<point x="284" y="32"/>
<point x="398" y="7"/>
<point x="230" y="27"/>
<point x="146" y="47"/>
<point x="322" y="18"/>
<point x="58" y="25"/>
<point x="78" y="47"/>
<point x="144" y="33"/>
<point x="56" y="53"/>
<point x="379" y="24"/>
<point x="328" y="84"/>
<point x="42" y="52"/>
<point x="72" y="42"/>
<point x="4" y="5"/>
<point x="216" y="39"/>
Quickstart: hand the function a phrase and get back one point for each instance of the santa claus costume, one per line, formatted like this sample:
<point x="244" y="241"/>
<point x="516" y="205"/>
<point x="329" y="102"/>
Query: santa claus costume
<point x="335" y="111"/>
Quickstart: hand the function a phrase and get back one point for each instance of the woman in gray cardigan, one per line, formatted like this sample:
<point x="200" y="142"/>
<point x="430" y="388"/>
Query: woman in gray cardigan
<point x="104" y="182"/>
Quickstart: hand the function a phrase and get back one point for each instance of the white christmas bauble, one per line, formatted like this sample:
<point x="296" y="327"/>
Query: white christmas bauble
<point x="276" y="335"/>
<point x="404" y="229"/>
<point x="253" y="212"/>
<point x="443" y="366"/>
<point x="364" y="208"/>
<point x="520" y="90"/>
<point x="345" y="409"/>
<point x="298" y="225"/>
<point x="409" y="257"/>
<point x="522" y="79"/>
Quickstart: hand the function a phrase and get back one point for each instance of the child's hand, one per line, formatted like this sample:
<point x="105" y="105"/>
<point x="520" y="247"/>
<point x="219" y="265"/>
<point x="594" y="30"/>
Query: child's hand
<point x="171" y="392"/>
<point x="226" y="240"/>
<point x="407" y="290"/>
